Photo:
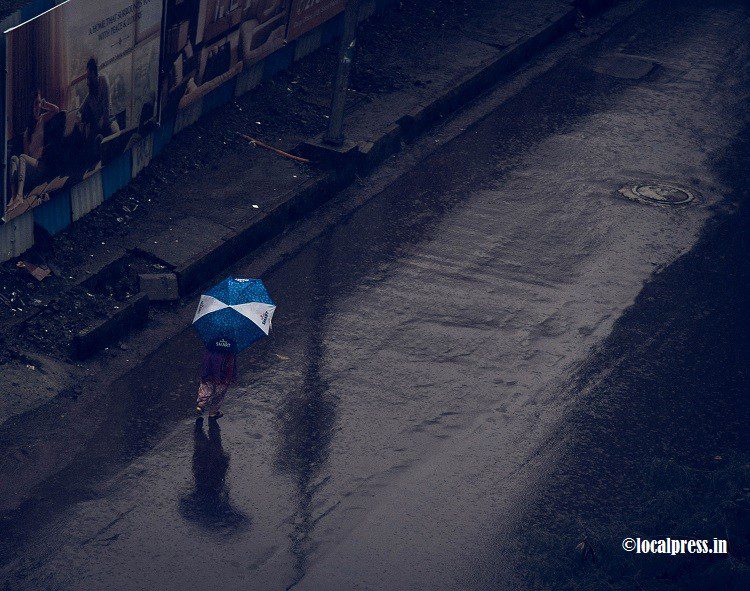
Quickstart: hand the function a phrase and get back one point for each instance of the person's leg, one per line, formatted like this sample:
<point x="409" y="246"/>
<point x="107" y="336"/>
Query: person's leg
<point x="205" y="393"/>
<point x="217" y="400"/>
<point x="25" y="162"/>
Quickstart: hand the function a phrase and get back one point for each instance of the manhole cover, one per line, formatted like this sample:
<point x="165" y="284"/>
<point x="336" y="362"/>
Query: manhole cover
<point x="658" y="194"/>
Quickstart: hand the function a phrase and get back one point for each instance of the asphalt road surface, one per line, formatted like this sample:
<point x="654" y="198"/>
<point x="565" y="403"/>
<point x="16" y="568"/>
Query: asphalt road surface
<point x="494" y="360"/>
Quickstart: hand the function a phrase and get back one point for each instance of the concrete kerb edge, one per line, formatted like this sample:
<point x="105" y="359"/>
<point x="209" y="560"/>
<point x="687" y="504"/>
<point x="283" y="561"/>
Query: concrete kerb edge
<point x="102" y="334"/>
<point x="371" y="154"/>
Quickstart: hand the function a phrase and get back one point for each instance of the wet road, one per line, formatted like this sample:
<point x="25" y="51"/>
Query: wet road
<point x="406" y="410"/>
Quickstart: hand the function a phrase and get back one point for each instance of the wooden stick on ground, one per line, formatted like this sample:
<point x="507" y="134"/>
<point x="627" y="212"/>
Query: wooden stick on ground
<point x="261" y="144"/>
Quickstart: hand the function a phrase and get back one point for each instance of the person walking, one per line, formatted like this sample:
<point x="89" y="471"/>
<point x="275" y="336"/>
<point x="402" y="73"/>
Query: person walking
<point x="219" y="371"/>
<point x="230" y="317"/>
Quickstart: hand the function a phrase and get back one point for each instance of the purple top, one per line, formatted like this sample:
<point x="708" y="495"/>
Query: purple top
<point x="218" y="368"/>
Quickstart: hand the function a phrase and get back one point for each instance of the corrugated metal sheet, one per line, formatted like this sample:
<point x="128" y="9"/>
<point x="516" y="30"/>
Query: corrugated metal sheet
<point x="86" y="195"/>
<point x="249" y="78"/>
<point x="162" y="135"/>
<point x="305" y="15"/>
<point x="16" y="236"/>
<point x="332" y="29"/>
<point x="142" y="152"/>
<point x="307" y="43"/>
<point x="188" y="116"/>
<point x="67" y="205"/>
<point x="116" y="174"/>
<point x="54" y="215"/>
<point x="279" y="60"/>
<point x="219" y="96"/>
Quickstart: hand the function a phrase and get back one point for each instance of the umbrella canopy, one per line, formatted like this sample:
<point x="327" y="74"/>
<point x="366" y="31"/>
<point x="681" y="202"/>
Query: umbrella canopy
<point x="234" y="314"/>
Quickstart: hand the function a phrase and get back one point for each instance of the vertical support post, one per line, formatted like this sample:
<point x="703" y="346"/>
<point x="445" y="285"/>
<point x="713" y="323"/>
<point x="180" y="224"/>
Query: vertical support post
<point x="4" y="193"/>
<point x="335" y="133"/>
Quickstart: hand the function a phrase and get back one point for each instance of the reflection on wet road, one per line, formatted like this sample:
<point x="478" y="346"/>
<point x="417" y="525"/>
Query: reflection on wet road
<point x="394" y="418"/>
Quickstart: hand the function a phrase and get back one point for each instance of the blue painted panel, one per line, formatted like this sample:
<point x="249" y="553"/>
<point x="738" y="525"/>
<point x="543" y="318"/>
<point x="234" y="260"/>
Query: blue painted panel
<point x="279" y="60"/>
<point x="163" y="134"/>
<point x="86" y="195"/>
<point x="141" y="154"/>
<point x="116" y="174"/>
<point x="54" y="215"/>
<point x="3" y="177"/>
<point x="219" y="96"/>
<point x="332" y="29"/>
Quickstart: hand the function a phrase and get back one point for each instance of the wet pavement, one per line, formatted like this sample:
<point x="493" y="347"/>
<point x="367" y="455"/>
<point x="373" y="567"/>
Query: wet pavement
<point x="409" y="415"/>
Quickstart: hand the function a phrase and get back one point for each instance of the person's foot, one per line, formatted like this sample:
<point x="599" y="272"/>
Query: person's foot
<point x="15" y="201"/>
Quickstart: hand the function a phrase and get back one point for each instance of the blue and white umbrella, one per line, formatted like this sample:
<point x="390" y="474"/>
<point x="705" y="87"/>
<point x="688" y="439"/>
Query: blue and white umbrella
<point x="234" y="314"/>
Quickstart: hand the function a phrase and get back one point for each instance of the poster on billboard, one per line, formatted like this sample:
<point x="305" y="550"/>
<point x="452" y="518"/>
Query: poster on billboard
<point x="81" y="87"/>
<point x="308" y="14"/>
<point x="207" y="42"/>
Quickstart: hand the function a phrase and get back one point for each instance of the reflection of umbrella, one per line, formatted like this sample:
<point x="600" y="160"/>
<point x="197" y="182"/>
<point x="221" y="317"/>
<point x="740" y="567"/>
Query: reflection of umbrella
<point x="234" y="314"/>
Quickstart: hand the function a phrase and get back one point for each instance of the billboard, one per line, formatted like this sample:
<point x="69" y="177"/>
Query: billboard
<point x="308" y="14"/>
<point x="82" y="86"/>
<point x="207" y="42"/>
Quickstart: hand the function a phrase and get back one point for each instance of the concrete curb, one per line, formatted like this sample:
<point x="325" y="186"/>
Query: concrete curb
<point x="103" y="333"/>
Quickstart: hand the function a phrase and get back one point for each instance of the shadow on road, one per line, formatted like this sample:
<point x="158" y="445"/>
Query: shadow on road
<point x="208" y="504"/>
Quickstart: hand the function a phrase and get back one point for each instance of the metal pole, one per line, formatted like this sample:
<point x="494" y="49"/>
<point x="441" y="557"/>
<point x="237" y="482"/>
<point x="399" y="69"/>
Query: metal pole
<point x="335" y="133"/>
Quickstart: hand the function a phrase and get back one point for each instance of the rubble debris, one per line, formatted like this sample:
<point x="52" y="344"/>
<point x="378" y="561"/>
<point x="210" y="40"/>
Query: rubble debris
<point x="39" y="272"/>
